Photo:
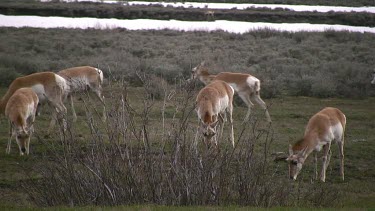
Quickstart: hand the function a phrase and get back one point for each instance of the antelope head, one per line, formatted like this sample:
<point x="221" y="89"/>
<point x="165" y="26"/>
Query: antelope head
<point x="295" y="161"/>
<point x="196" y="71"/>
<point x="208" y="130"/>
<point x="23" y="138"/>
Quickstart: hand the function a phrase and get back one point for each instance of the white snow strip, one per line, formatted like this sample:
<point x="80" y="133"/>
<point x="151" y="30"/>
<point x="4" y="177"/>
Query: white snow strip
<point x="148" y="24"/>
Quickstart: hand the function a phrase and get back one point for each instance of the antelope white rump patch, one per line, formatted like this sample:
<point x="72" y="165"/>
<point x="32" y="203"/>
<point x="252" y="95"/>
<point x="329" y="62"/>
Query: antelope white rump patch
<point x="251" y="81"/>
<point x="39" y="90"/>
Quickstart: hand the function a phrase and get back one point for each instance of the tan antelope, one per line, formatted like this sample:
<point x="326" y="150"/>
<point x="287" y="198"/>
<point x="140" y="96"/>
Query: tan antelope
<point x="210" y="14"/>
<point x="323" y="128"/>
<point x="212" y="102"/>
<point x="48" y="86"/>
<point x="373" y="77"/>
<point x="20" y="110"/>
<point x="81" y="79"/>
<point x="246" y="86"/>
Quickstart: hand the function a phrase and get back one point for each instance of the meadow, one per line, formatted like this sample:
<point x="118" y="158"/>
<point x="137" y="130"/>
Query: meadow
<point x="144" y="153"/>
<point x="56" y="173"/>
<point x="119" y="11"/>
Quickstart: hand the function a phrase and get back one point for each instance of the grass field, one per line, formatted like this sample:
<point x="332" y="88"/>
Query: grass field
<point x="289" y="114"/>
<point x="144" y="154"/>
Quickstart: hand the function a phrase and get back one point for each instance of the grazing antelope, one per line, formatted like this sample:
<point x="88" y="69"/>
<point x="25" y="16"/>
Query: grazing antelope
<point x="211" y="104"/>
<point x="210" y="14"/>
<point x="80" y="79"/>
<point x="373" y="77"/>
<point x="20" y="110"/>
<point x="323" y="128"/>
<point x="246" y="85"/>
<point x="48" y="86"/>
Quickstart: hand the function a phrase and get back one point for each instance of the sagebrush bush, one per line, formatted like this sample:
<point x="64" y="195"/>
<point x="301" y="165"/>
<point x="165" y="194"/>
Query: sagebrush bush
<point x="323" y="87"/>
<point x="299" y="87"/>
<point x="270" y="89"/>
<point x="286" y="63"/>
<point x="7" y="76"/>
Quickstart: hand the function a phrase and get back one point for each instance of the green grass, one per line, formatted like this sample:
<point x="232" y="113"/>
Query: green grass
<point x="289" y="115"/>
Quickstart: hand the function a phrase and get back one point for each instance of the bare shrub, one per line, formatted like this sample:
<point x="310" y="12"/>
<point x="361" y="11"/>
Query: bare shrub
<point x="136" y="158"/>
<point x="155" y="86"/>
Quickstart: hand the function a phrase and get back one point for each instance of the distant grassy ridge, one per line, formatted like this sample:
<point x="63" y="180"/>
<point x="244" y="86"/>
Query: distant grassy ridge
<point x="348" y="3"/>
<point x="99" y="10"/>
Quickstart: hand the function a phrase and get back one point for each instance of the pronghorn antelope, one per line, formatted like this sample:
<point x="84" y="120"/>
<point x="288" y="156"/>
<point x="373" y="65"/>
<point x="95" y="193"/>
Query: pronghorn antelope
<point x="20" y="110"/>
<point x="373" y="77"/>
<point x="324" y="127"/>
<point x="80" y="79"/>
<point x="47" y="85"/>
<point x="210" y="14"/>
<point x="247" y="86"/>
<point x="211" y="104"/>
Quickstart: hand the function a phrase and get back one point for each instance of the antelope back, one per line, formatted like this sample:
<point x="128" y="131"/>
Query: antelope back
<point x="81" y="77"/>
<point x="212" y="100"/>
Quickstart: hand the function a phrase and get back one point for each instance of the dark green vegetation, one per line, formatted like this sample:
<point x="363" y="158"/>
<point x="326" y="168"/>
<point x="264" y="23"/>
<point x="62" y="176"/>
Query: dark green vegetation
<point x="119" y="11"/>
<point x="144" y="153"/>
<point x="349" y="3"/>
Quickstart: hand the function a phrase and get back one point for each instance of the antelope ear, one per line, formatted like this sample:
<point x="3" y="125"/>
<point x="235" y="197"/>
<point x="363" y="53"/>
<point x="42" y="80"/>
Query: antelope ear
<point x="290" y="149"/>
<point x="280" y="156"/>
<point x="303" y="152"/>
<point x="24" y="132"/>
<point x="205" y="125"/>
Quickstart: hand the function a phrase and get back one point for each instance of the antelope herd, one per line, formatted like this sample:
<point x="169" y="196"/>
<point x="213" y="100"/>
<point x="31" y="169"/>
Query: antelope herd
<point x="49" y="88"/>
<point x="246" y="86"/>
<point x="214" y="105"/>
